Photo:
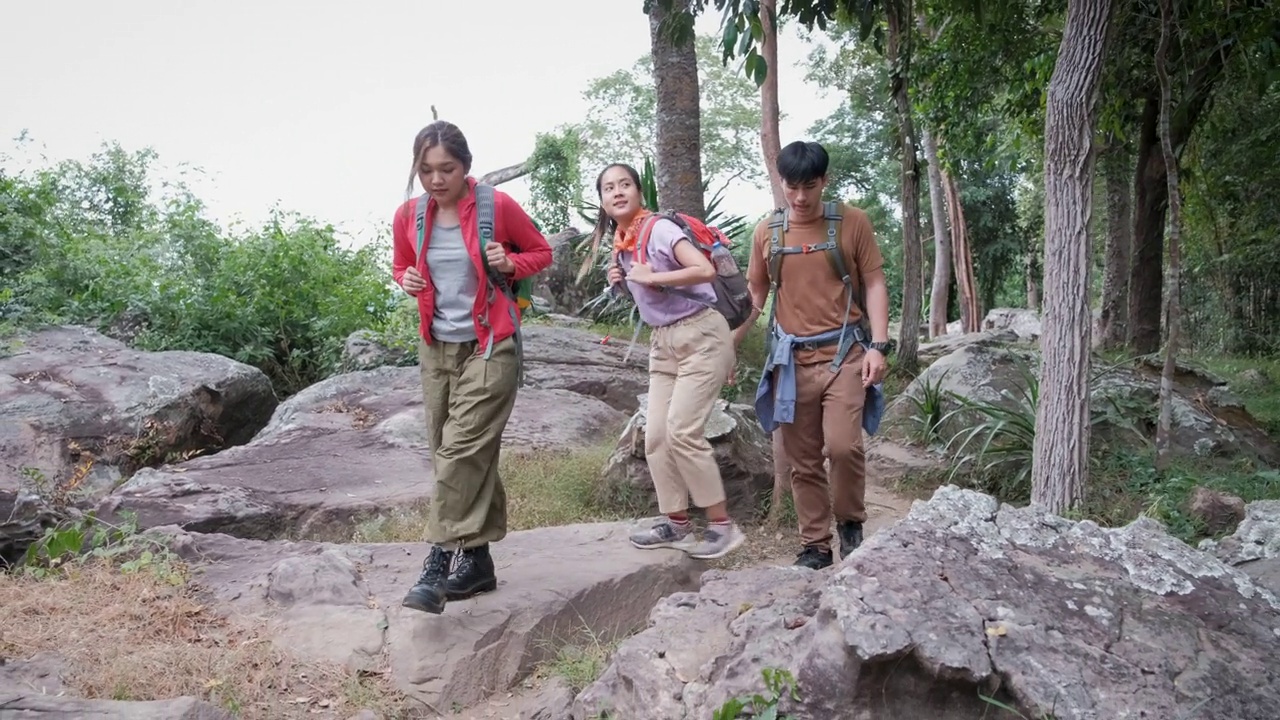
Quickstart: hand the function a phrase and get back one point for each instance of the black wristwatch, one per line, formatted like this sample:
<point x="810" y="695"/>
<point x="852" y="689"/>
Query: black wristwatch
<point x="880" y="347"/>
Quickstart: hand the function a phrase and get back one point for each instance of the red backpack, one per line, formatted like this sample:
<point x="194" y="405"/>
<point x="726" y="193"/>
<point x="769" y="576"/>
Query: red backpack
<point x="730" y="284"/>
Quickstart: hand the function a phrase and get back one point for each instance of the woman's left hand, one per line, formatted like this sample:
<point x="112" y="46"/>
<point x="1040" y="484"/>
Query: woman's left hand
<point x="498" y="259"/>
<point x="641" y="273"/>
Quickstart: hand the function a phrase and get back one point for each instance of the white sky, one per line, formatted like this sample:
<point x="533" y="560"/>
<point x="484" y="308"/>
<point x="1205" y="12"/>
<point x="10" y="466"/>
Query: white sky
<point x="313" y="108"/>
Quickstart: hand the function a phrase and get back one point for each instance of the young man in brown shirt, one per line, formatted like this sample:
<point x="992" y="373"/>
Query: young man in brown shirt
<point x="826" y="358"/>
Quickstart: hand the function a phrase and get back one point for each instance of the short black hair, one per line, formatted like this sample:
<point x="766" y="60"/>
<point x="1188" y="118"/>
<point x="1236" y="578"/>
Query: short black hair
<point x="800" y="162"/>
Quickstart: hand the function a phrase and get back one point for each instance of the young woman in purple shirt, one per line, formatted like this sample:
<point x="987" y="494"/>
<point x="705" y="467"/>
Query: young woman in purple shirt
<point x="691" y="356"/>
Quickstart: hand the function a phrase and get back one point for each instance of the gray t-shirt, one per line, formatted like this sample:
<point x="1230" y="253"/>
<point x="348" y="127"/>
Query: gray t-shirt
<point x="455" y="281"/>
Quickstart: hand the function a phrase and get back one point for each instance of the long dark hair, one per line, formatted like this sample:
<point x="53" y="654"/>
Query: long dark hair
<point x="442" y="133"/>
<point x="604" y="223"/>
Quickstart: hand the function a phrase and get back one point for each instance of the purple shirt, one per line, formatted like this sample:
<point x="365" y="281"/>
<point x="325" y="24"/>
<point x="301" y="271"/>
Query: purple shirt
<point x="658" y="308"/>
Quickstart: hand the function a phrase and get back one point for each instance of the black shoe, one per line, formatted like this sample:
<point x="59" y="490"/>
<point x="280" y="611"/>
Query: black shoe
<point x="474" y="574"/>
<point x="850" y="532"/>
<point x="428" y="595"/>
<point x="814" y="557"/>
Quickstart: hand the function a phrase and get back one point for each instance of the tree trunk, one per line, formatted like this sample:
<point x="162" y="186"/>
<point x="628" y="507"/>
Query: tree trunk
<point x="675" y="74"/>
<point x="1060" y="461"/>
<point x="1150" y="197"/>
<point x="507" y="174"/>
<point x="770" y="134"/>
<point x="899" y="57"/>
<point x="966" y="285"/>
<point x="941" y="240"/>
<point x="1032" y="267"/>
<point x="1115" y="280"/>
<point x="1173" y="303"/>
<point x="1151" y="188"/>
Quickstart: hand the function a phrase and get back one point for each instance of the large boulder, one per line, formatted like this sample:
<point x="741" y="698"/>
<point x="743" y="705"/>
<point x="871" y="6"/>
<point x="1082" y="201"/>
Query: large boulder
<point x="559" y="282"/>
<point x="1021" y="322"/>
<point x="341" y="603"/>
<point x="343" y="449"/>
<point x="1208" y="420"/>
<point x="80" y="411"/>
<point x="743" y="452"/>
<point x="363" y="350"/>
<point x="586" y="363"/>
<point x="967" y="596"/>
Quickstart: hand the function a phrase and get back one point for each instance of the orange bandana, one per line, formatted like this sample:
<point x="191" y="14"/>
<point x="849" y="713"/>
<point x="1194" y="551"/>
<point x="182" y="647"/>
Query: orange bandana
<point x="625" y="240"/>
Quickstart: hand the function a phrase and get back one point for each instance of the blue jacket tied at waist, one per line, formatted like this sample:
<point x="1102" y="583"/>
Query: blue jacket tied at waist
<point x="776" y="403"/>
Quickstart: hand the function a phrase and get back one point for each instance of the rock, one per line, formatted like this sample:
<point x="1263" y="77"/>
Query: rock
<point x="558" y="283"/>
<point x="24" y="516"/>
<point x="1219" y="512"/>
<point x="553" y="701"/>
<point x="1052" y="617"/>
<point x="1124" y="401"/>
<point x="561" y="358"/>
<point x="341" y="603"/>
<point x="362" y="351"/>
<point x="17" y="704"/>
<point x="1255" y="545"/>
<point x="81" y="411"/>
<point x="366" y="714"/>
<point x="1022" y="322"/>
<point x="929" y="352"/>
<point x="41" y="674"/>
<point x="338" y="451"/>
<point x="1255" y="378"/>
<point x="742" y="450"/>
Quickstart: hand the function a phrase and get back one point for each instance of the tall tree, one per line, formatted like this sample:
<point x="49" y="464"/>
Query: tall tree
<point x="679" y="121"/>
<point x="1173" y="293"/>
<point x="1060" y="459"/>
<point x="770" y="133"/>
<point x="941" y="240"/>
<point x="898" y="53"/>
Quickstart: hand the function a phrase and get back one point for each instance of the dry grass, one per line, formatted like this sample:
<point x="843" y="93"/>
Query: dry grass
<point x="138" y="637"/>
<point x="544" y="489"/>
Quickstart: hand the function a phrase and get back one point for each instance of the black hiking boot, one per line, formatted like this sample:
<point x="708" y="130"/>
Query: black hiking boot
<point x="428" y="595"/>
<point x="814" y="557"/>
<point x="474" y="574"/>
<point x="850" y="532"/>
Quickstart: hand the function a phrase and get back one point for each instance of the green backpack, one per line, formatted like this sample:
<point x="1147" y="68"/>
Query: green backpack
<point x="520" y="292"/>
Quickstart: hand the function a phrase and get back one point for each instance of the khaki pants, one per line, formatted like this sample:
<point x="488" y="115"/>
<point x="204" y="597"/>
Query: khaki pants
<point x="828" y="412"/>
<point x="689" y="361"/>
<point x="468" y="402"/>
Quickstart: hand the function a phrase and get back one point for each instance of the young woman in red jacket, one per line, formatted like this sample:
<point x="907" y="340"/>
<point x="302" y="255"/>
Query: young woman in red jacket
<point x="468" y="354"/>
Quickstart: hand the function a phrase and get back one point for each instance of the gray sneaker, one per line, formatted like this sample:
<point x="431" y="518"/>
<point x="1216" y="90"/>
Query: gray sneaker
<point x="663" y="534"/>
<point x="716" y="543"/>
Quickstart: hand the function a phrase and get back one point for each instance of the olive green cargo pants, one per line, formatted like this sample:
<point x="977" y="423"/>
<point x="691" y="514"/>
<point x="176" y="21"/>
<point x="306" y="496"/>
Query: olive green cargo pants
<point x="468" y="401"/>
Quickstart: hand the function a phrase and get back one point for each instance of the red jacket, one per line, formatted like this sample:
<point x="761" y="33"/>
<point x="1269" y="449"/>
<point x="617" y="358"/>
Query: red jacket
<point x="526" y="247"/>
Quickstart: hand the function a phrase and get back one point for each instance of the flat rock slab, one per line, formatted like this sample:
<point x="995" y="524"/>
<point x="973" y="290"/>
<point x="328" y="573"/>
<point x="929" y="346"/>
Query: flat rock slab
<point x="30" y="705"/>
<point x="70" y="394"/>
<point x="347" y="447"/>
<point x="1052" y="617"/>
<point x="341" y="603"/>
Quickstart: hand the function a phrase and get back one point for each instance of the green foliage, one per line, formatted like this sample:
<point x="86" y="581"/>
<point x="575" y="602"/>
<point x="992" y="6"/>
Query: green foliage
<point x="555" y="185"/>
<point x="928" y="409"/>
<point x="778" y="684"/>
<point x="621" y="120"/>
<point x="87" y="538"/>
<point x="1007" y="432"/>
<point x="91" y="243"/>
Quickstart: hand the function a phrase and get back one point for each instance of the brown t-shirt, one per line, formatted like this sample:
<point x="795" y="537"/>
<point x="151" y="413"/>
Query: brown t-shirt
<point x="810" y="298"/>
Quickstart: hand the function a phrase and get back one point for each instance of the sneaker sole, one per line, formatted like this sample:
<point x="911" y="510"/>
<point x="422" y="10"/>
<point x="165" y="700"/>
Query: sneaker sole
<point x="484" y="587"/>
<point x="737" y="541"/>
<point x="677" y="545"/>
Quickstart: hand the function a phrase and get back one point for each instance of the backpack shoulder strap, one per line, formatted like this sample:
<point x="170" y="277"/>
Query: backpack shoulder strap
<point x="777" y="240"/>
<point x="484" y="213"/>
<point x="642" y="235"/>
<point x="420" y="222"/>
<point x="831" y="212"/>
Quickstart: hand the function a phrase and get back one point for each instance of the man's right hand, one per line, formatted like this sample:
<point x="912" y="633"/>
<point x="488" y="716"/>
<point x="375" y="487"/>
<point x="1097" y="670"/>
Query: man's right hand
<point x="412" y="281"/>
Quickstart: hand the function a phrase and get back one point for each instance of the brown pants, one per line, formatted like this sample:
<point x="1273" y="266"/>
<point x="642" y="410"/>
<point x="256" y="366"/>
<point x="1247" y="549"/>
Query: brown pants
<point x="828" y="412"/>
<point x="689" y="361"/>
<point x="468" y="402"/>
